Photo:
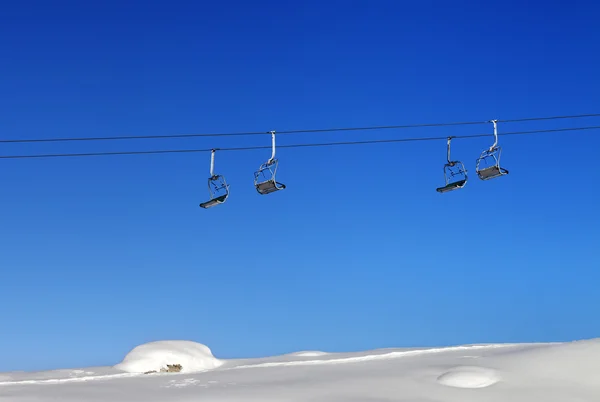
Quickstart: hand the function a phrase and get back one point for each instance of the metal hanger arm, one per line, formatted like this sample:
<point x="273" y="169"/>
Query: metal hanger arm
<point x="212" y="162"/>
<point x="495" y="135"/>
<point x="273" y="146"/>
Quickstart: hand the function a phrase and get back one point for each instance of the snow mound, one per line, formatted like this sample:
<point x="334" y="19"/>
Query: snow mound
<point x="469" y="377"/>
<point x="155" y="356"/>
<point x="309" y="353"/>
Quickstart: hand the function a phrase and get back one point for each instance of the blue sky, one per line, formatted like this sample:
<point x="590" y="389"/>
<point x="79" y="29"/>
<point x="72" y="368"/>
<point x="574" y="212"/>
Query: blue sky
<point x="101" y="254"/>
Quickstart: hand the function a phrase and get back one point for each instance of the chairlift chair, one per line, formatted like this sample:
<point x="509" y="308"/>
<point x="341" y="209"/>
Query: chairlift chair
<point x="217" y="186"/>
<point x="455" y="174"/>
<point x="264" y="177"/>
<point x="488" y="163"/>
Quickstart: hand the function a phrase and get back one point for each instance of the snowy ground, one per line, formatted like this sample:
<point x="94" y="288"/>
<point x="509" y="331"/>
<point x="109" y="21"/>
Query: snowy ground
<point x="494" y="373"/>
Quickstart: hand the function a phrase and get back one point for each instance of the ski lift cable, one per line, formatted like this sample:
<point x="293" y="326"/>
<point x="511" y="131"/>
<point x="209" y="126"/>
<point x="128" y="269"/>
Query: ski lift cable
<point x="306" y="131"/>
<point x="394" y="140"/>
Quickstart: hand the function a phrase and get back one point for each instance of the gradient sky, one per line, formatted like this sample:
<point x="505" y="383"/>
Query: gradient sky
<point x="100" y="254"/>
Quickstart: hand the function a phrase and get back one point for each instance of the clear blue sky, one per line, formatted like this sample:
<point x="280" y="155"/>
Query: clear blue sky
<point x="100" y="254"/>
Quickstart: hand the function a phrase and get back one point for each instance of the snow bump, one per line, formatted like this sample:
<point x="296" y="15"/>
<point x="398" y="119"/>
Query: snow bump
<point x="156" y="356"/>
<point x="469" y="377"/>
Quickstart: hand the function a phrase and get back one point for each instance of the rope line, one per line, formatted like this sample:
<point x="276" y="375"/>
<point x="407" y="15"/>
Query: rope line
<point x="165" y="151"/>
<point x="307" y="131"/>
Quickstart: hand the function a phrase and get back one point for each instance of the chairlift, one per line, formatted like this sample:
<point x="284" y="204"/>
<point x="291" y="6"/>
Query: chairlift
<point x="217" y="186"/>
<point x="488" y="163"/>
<point x="264" y="177"/>
<point x="454" y="173"/>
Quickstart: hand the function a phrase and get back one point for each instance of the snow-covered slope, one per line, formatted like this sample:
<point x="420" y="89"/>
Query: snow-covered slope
<point x="495" y="373"/>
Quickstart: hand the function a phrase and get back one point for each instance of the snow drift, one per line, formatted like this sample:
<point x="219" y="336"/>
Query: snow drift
<point x="156" y="356"/>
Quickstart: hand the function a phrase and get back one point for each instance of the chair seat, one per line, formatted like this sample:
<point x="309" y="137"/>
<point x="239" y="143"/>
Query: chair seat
<point x="215" y="201"/>
<point x="269" y="186"/>
<point x="491" y="172"/>
<point x="452" y="186"/>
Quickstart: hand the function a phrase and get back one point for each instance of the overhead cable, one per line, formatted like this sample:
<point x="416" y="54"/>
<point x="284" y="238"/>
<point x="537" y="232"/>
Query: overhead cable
<point x="165" y="151"/>
<point x="306" y="131"/>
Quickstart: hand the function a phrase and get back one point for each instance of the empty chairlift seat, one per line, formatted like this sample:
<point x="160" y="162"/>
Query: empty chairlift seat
<point x="269" y="186"/>
<point x="217" y="186"/>
<point x="264" y="178"/>
<point x="452" y="186"/>
<point x="455" y="174"/>
<point x="491" y="172"/>
<point x="488" y="163"/>
<point x="214" y="201"/>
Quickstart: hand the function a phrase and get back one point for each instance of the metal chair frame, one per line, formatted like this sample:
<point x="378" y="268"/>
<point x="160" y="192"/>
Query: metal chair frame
<point x="217" y="186"/>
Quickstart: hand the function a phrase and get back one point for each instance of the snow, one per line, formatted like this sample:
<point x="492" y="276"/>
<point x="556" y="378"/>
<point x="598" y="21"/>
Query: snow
<point x="155" y="356"/>
<point x="308" y="353"/>
<point x="469" y="377"/>
<point x="537" y="372"/>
